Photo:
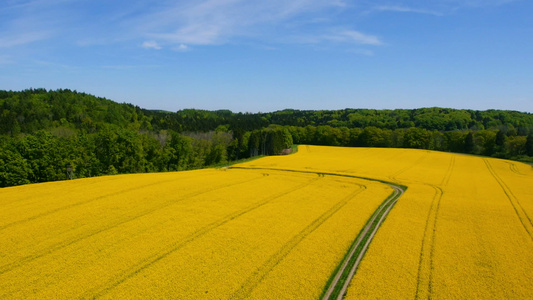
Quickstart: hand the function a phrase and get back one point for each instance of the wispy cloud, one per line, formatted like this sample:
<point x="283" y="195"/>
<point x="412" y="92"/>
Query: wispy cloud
<point x="212" y="22"/>
<point x="436" y="8"/>
<point x="182" y="48"/>
<point x="24" y="22"/>
<point x="23" y="38"/>
<point x="405" y="9"/>
<point x="5" y="60"/>
<point x="80" y="22"/>
<point x="480" y="3"/>
<point x="342" y="36"/>
<point x="355" y="36"/>
<point x="181" y="25"/>
<point x="55" y="65"/>
<point x="32" y="4"/>
<point x="151" y="45"/>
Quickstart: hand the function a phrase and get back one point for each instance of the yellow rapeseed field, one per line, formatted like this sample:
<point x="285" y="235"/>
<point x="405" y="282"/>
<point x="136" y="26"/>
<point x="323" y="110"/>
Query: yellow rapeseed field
<point x="463" y="229"/>
<point x="276" y="228"/>
<point x="199" y="234"/>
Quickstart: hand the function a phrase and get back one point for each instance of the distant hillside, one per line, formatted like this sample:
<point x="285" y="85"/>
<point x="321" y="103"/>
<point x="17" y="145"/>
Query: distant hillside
<point x="434" y="118"/>
<point x="35" y="109"/>
<point x="42" y="132"/>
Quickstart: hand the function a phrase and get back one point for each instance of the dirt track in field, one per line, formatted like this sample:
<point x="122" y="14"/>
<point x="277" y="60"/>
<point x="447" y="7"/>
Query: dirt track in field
<point x="337" y="287"/>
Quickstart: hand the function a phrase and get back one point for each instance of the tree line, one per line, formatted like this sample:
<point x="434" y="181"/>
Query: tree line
<point x="44" y="132"/>
<point x="496" y="143"/>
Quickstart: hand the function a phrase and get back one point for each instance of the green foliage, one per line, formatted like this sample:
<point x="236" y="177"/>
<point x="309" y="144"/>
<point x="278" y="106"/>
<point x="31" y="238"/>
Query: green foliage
<point x="529" y="145"/>
<point x="417" y="138"/>
<point x="179" y="152"/>
<point x="484" y="142"/>
<point x="269" y="141"/>
<point x="469" y="143"/>
<point x="500" y="138"/>
<point x="441" y="119"/>
<point x="375" y="137"/>
<point x="14" y="169"/>
<point x="42" y="132"/>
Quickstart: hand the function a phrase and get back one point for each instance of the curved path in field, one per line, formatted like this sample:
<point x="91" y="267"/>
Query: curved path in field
<point x="340" y="280"/>
<point x="336" y="288"/>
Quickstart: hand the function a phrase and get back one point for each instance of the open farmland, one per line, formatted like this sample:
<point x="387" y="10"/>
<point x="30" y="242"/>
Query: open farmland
<point x="276" y="227"/>
<point x="463" y="229"/>
<point x="199" y="234"/>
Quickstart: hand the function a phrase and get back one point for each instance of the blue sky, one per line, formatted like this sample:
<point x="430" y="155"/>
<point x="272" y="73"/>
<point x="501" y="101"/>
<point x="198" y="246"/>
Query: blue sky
<point x="260" y="56"/>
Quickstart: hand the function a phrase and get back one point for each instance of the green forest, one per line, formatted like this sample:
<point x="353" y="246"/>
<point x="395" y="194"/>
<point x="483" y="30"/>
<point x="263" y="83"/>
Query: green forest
<point x="45" y="132"/>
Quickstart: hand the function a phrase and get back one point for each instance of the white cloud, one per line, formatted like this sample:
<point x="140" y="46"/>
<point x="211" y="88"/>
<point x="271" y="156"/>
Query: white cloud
<point x="23" y="38"/>
<point x="151" y="45"/>
<point x="202" y="22"/>
<point x="54" y="65"/>
<point x="182" y="48"/>
<point x="343" y="36"/>
<point x="406" y="9"/>
<point x="436" y="8"/>
<point x="195" y="34"/>
<point x="212" y="22"/>
<point x="355" y="36"/>
<point x="479" y="3"/>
